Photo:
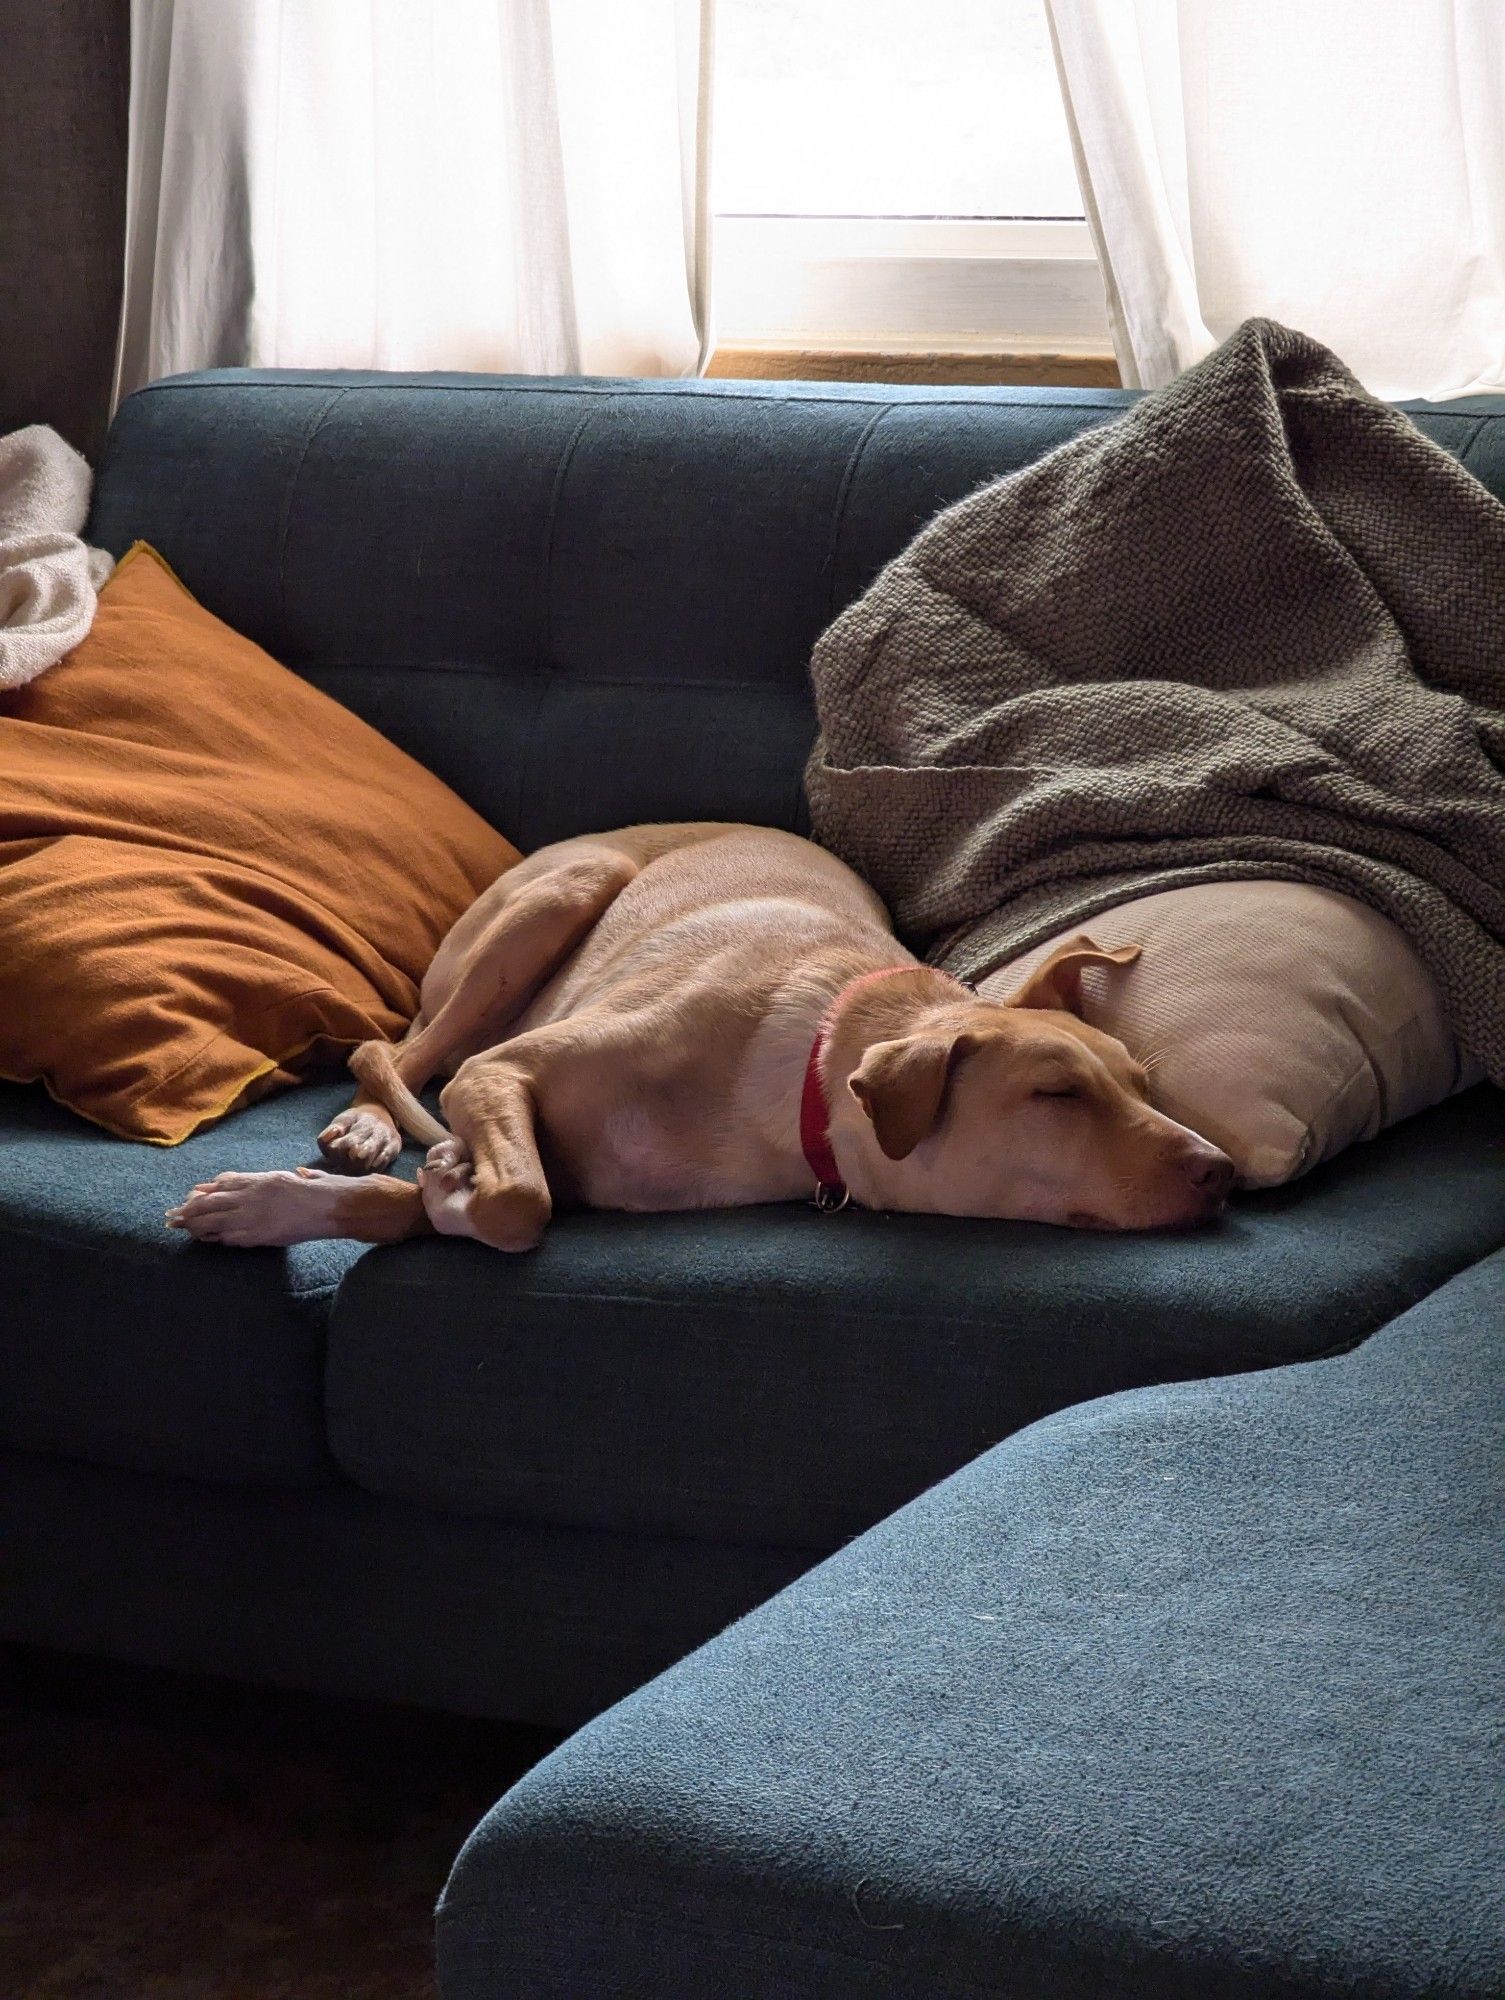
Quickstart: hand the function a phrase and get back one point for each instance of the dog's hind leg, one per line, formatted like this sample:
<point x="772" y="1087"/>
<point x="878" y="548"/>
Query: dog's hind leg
<point x="488" y="1181"/>
<point x="365" y="1138"/>
<point x="535" y="925"/>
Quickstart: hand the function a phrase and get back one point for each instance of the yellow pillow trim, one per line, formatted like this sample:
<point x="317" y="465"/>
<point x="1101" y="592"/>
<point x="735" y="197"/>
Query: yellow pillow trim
<point x="144" y="549"/>
<point x="203" y="1118"/>
<point x="151" y="1138"/>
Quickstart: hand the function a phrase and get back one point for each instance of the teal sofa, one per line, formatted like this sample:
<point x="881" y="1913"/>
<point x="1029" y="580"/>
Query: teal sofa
<point x="523" y="1488"/>
<point x="1194" y="1693"/>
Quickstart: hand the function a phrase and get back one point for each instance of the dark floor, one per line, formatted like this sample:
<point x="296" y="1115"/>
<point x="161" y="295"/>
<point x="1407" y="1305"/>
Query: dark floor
<point x="163" y="1838"/>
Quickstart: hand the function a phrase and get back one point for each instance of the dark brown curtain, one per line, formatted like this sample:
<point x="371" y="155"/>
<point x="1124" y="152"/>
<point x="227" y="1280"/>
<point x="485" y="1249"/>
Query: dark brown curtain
<point x="64" y="68"/>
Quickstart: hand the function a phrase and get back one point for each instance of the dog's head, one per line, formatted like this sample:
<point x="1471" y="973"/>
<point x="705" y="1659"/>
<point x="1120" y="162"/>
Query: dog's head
<point x="1020" y="1109"/>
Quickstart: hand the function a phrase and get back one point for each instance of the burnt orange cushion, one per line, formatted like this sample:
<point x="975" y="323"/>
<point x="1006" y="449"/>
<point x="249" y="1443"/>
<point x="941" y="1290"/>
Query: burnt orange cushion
<point x="209" y="871"/>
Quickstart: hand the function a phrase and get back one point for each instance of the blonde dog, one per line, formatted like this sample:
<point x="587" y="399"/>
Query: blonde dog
<point x="702" y="1016"/>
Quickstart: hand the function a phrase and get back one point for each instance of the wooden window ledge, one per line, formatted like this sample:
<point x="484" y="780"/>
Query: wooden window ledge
<point x="787" y="364"/>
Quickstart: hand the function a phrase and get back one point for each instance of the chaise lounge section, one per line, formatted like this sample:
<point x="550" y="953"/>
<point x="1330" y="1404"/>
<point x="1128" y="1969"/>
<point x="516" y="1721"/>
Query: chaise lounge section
<point x="1192" y="1693"/>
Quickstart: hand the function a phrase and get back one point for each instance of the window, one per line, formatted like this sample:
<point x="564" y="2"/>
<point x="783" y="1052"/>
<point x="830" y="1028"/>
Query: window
<point x="897" y="174"/>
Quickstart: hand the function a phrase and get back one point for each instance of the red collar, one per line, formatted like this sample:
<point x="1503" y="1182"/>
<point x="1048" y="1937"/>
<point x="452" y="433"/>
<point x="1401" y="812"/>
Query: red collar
<point x="815" y="1114"/>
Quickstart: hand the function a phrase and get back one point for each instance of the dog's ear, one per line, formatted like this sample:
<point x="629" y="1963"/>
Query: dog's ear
<point x="901" y="1086"/>
<point x="1057" y="984"/>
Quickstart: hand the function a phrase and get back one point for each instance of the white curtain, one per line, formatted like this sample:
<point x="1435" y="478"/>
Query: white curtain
<point x="451" y="184"/>
<point x="1335" y="164"/>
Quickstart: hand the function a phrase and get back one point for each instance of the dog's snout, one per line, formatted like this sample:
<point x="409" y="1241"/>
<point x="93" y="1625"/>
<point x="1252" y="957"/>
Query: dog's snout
<point x="1210" y="1172"/>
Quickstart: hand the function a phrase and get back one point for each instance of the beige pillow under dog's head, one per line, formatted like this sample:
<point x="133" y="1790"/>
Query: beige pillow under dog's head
<point x="1283" y="1022"/>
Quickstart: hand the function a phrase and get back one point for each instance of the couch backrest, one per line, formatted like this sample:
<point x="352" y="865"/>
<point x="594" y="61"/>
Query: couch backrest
<point x="582" y="603"/>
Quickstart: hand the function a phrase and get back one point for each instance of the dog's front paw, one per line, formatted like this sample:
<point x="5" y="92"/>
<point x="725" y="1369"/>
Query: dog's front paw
<point x="360" y="1141"/>
<point x="246" y="1210"/>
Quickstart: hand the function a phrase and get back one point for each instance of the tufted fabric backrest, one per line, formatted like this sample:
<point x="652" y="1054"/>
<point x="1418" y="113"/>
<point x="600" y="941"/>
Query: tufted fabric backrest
<point x="582" y="603"/>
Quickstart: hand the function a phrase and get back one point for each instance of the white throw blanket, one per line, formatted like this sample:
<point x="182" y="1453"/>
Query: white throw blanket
<point x="49" y="579"/>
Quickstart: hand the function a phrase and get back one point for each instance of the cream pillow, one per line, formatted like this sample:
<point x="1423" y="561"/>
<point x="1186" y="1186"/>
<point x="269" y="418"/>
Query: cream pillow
<point x="1285" y="1021"/>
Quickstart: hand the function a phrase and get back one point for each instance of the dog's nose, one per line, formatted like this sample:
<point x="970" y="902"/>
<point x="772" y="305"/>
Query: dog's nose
<point x="1210" y="1173"/>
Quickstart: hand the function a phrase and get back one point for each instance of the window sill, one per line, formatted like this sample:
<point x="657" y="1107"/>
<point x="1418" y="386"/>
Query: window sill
<point x="910" y="286"/>
<point x="956" y="368"/>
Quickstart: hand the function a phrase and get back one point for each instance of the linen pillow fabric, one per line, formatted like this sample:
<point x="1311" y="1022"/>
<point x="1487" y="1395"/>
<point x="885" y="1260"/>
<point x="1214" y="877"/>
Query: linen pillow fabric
<point x="1283" y="1021"/>
<point x="210" y="872"/>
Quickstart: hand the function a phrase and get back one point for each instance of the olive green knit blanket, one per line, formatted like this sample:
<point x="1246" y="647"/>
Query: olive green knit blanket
<point x="1254" y="627"/>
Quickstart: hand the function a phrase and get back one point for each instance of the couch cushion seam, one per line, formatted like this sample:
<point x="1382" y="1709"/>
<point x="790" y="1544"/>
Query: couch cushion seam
<point x="290" y="498"/>
<point x="144" y="1260"/>
<point x="843" y="493"/>
<point x="757" y="1310"/>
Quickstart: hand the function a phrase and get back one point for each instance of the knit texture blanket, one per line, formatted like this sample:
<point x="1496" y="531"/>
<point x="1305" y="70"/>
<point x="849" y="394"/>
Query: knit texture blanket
<point x="49" y="579"/>
<point x="1254" y="627"/>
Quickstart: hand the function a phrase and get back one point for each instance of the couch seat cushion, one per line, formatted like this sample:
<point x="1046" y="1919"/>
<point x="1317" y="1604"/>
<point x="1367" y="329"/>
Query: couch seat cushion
<point x="1193" y="1693"/>
<point x="776" y="1375"/>
<point x="126" y="1344"/>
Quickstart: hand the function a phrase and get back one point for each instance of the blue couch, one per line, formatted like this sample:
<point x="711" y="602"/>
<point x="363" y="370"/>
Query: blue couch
<point x="1195" y="1693"/>
<point x="523" y="1487"/>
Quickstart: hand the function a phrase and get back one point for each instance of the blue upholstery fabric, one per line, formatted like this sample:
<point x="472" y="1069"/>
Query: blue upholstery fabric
<point x="582" y="603"/>
<point x="1194" y="1693"/>
<point x="777" y="1375"/>
<point x="121" y="1341"/>
<point x="330" y="1589"/>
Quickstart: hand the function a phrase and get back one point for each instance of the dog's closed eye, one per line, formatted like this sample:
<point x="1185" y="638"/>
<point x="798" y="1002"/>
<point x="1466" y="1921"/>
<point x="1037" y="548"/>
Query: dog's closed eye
<point x="1057" y="1090"/>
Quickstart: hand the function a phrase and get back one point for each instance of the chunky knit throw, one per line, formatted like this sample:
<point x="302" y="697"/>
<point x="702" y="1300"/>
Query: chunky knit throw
<point x="1253" y="628"/>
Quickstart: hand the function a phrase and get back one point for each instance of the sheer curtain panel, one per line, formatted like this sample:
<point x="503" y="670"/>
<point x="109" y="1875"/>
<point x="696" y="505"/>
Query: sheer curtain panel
<point x="1338" y="165"/>
<point x="517" y="185"/>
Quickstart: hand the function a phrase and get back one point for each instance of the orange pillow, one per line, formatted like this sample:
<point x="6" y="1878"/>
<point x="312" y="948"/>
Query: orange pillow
<point x="209" y="871"/>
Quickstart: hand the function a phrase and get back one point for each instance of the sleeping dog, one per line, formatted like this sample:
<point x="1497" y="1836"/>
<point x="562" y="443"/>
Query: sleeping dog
<point x="701" y="1016"/>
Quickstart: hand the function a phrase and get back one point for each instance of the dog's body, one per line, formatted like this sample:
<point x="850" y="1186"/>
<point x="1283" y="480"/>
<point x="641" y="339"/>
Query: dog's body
<point x="628" y="1018"/>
